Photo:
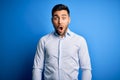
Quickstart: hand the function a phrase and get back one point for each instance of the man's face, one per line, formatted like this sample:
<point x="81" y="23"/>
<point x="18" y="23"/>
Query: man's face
<point x="60" y="22"/>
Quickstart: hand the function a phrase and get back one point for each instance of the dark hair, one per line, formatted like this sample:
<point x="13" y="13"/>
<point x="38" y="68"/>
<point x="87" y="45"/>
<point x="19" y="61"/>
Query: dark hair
<point x="59" y="7"/>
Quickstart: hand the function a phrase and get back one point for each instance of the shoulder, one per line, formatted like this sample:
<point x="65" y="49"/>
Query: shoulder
<point x="79" y="40"/>
<point x="78" y="37"/>
<point x="44" y="38"/>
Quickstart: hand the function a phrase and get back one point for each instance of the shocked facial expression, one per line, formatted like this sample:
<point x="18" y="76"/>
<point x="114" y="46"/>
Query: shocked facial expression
<point x="60" y="22"/>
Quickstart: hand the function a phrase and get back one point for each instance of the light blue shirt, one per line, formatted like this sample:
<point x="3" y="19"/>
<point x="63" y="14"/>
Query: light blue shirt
<point x="60" y="58"/>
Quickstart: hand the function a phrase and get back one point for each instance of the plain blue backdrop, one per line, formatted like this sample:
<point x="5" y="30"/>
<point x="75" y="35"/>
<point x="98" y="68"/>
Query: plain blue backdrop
<point x="24" y="22"/>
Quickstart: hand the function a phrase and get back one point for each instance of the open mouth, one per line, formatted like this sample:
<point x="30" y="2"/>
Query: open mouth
<point x="60" y="28"/>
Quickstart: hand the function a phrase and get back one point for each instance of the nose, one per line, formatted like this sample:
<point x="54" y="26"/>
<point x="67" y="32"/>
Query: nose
<point x="60" y="21"/>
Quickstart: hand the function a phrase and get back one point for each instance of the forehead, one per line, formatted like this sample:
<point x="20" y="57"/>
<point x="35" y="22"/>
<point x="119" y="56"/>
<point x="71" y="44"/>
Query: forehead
<point x="60" y="13"/>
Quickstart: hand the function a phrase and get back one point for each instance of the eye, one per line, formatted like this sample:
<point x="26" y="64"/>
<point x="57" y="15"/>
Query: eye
<point x="63" y="18"/>
<point x="55" y="18"/>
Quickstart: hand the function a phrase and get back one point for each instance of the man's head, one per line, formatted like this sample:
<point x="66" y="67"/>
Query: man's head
<point x="59" y="7"/>
<point x="60" y="18"/>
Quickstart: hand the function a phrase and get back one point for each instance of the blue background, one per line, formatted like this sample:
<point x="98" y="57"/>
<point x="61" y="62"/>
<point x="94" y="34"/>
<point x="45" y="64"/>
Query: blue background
<point x="24" y="22"/>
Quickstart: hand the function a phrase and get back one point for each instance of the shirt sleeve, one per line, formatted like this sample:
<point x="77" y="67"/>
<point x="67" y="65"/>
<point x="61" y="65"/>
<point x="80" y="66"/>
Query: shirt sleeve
<point x="38" y="62"/>
<point x="84" y="60"/>
<point x="86" y="75"/>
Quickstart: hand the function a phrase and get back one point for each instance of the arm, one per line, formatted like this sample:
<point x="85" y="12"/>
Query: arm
<point x="85" y="63"/>
<point x="86" y="74"/>
<point x="37" y="74"/>
<point x="38" y="62"/>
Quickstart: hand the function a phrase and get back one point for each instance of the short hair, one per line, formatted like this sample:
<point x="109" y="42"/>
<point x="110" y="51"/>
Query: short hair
<point x="59" y="7"/>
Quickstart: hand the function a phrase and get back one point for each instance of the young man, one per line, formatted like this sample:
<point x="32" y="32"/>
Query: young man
<point x="61" y="53"/>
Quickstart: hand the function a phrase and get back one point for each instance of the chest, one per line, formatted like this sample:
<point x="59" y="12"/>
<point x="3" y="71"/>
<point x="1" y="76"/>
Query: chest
<point x="61" y="47"/>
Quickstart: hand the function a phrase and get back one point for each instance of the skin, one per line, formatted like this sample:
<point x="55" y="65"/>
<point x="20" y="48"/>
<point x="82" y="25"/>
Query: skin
<point x="61" y="20"/>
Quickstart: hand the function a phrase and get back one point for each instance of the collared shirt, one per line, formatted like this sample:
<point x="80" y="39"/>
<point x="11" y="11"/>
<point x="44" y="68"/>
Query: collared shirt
<point x="60" y="58"/>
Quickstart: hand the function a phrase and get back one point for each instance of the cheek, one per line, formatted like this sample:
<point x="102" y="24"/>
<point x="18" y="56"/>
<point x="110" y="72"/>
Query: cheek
<point x="66" y="23"/>
<point x="55" y="23"/>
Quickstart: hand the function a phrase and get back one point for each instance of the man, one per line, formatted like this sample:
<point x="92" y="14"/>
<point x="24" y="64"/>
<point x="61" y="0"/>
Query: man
<point x="61" y="53"/>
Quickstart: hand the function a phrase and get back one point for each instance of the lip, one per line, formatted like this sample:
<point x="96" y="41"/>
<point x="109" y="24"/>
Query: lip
<point x="60" y="27"/>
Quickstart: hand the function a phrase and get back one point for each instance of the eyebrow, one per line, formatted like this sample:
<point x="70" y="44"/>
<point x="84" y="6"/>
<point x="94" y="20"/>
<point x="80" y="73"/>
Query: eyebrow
<point x="64" y="15"/>
<point x="57" y="15"/>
